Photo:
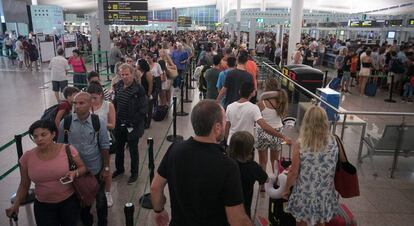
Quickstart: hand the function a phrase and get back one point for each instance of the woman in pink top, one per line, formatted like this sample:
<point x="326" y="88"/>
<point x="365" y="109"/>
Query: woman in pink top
<point x="45" y="165"/>
<point x="79" y="69"/>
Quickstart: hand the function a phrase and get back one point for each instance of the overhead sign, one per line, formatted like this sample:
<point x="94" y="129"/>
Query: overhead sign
<point x="411" y="22"/>
<point x="393" y="23"/>
<point x="259" y="20"/>
<point x="184" y="21"/>
<point x="126" y="12"/>
<point x="47" y="19"/>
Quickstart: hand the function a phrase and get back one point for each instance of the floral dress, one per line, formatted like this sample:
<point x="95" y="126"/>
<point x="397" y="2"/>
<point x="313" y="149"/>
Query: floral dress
<point x="313" y="198"/>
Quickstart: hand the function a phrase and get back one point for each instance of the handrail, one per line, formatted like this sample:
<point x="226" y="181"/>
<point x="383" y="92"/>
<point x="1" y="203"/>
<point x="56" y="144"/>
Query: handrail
<point x="338" y="111"/>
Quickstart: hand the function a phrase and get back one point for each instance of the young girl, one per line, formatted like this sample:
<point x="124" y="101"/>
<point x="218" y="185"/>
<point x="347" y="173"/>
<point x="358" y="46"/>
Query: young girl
<point x="273" y="105"/>
<point x="241" y="150"/>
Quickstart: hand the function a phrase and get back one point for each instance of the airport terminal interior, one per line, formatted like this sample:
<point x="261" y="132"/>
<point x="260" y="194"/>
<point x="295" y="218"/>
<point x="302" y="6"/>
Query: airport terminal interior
<point x="352" y="60"/>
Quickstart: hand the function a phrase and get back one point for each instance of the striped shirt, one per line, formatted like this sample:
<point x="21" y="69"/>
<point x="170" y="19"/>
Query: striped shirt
<point x="122" y="97"/>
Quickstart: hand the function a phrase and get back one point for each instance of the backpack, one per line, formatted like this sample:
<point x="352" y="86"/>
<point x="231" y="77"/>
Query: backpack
<point x="51" y="113"/>
<point x="202" y="83"/>
<point x="68" y="121"/>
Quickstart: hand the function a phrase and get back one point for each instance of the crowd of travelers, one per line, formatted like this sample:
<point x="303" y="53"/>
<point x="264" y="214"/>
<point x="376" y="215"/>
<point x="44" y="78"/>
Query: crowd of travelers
<point x="211" y="175"/>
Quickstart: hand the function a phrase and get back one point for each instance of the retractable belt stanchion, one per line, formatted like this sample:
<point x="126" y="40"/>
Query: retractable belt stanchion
<point x="174" y="137"/>
<point x="187" y="84"/>
<point x="190" y="76"/>
<point x="390" y="100"/>
<point x="129" y="209"/>
<point x="182" y="112"/>
<point x="325" y="79"/>
<point x="107" y="67"/>
<point x="145" y="200"/>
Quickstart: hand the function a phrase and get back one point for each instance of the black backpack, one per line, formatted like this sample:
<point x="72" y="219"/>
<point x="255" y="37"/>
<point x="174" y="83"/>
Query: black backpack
<point x="51" y="113"/>
<point x="68" y="121"/>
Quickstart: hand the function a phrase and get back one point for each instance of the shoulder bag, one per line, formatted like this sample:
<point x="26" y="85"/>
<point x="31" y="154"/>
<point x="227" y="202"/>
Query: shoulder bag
<point x="346" y="177"/>
<point x="86" y="186"/>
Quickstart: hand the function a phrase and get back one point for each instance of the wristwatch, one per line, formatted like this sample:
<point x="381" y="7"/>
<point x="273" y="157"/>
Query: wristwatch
<point x="106" y="168"/>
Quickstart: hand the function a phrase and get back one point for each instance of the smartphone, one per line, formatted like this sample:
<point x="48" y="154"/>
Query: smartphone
<point x="65" y="180"/>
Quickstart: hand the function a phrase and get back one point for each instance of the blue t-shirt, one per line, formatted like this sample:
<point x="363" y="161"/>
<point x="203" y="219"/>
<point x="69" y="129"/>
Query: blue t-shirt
<point x="220" y="83"/>
<point x="177" y="57"/>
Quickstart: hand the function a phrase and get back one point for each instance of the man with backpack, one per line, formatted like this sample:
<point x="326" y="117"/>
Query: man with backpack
<point x="88" y="134"/>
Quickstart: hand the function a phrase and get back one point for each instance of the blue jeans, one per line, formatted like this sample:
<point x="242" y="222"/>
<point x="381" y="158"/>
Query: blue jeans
<point x="101" y="207"/>
<point x="408" y="90"/>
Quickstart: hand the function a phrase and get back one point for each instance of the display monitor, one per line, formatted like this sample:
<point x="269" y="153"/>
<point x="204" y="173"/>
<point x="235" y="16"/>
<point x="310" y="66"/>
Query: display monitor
<point x="391" y="35"/>
<point x="411" y="22"/>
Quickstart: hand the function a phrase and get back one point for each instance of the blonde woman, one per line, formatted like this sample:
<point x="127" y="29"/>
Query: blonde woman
<point x="166" y="84"/>
<point x="314" y="157"/>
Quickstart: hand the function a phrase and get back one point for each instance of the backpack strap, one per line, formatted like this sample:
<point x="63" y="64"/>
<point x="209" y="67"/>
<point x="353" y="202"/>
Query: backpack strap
<point x="97" y="127"/>
<point x="67" y="121"/>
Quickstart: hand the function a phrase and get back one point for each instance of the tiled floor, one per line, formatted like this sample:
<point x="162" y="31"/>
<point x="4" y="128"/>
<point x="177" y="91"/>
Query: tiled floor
<point x="383" y="201"/>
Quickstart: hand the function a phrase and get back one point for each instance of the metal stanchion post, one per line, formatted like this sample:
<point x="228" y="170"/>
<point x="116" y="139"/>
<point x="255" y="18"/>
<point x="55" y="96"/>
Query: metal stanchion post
<point x="129" y="209"/>
<point x="145" y="200"/>
<point x="107" y="66"/>
<point x="390" y="100"/>
<point x="325" y="79"/>
<point x="187" y="81"/>
<point x="174" y="137"/>
<point x="182" y="112"/>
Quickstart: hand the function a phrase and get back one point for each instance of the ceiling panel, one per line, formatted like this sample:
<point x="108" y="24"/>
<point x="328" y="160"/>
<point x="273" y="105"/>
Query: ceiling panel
<point x="348" y="6"/>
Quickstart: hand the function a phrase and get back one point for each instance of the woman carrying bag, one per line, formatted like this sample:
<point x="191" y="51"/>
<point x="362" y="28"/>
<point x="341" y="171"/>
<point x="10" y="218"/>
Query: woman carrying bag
<point x="79" y="69"/>
<point x="313" y="200"/>
<point x="47" y="167"/>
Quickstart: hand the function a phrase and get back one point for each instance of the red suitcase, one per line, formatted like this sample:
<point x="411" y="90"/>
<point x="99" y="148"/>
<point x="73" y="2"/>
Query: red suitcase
<point x="344" y="218"/>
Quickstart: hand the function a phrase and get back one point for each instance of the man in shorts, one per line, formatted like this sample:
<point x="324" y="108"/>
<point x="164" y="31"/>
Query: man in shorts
<point x="59" y="67"/>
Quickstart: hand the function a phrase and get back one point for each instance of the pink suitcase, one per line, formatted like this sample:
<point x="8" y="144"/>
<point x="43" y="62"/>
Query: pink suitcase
<point x="344" y="218"/>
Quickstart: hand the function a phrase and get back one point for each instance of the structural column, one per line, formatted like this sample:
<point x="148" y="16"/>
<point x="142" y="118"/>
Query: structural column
<point x="94" y="32"/>
<point x="105" y="42"/>
<point x="263" y="5"/>
<point x="296" y="18"/>
<point x="252" y="34"/>
<point x="238" y="20"/>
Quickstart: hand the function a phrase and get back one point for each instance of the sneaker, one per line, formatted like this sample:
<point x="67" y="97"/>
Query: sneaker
<point x="132" y="179"/>
<point x="117" y="173"/>
<point x="109" y="199"/>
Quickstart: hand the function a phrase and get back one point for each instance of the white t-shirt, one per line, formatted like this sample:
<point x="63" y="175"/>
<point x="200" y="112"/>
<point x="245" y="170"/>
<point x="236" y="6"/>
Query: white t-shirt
<point x="242" y="117"/>
<point x="58" y="66"/>
<point x="156" y="70"/>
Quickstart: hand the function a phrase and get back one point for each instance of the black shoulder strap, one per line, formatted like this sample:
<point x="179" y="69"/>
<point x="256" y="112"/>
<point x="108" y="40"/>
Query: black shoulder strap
<point x="67" y="121"/>
<point x="97" y="127"/>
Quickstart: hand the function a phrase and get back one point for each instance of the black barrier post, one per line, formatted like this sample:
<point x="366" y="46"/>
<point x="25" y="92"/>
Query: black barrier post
<point x="187" y="81"/>
<point x="19" y="145"/>
<point x="129" y="209"/>
<point x="325" y="79"/>
<point x="182" y="112"/>
<point x="174" y="138"/>
<point x="145" y="200"/>
<point x="390" y="100"/>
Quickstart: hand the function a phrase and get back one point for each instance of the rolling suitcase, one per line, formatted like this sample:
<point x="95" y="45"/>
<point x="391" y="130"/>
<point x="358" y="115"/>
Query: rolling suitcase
<point x="344" y="218"/>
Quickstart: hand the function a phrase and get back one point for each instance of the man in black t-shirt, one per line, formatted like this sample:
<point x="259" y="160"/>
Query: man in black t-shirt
<point x="235" y="78"/>
<point x="203" y="182"/>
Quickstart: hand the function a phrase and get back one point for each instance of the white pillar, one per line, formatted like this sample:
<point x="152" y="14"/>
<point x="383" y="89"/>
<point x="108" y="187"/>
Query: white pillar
<point x="263" y="5"/>
<point x="296" y="17"/>
<point x="94" y="32"/>
<point x="238" y="19"/>
<point x="104" y="29"/>
<point x="252" y="34"/>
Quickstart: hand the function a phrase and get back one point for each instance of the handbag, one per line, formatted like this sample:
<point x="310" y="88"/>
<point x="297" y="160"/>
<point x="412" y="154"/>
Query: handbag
<point x="346" y="177"/>
<point x="86" y="186"/>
